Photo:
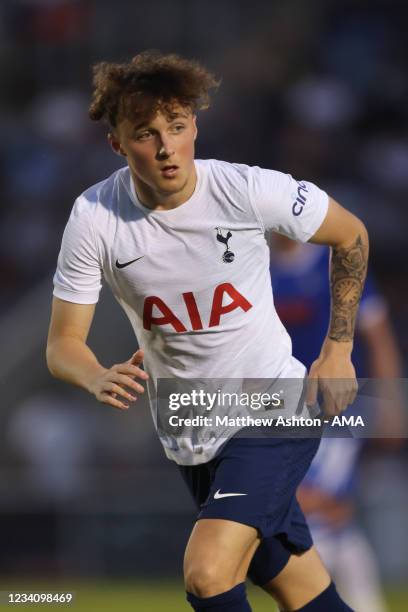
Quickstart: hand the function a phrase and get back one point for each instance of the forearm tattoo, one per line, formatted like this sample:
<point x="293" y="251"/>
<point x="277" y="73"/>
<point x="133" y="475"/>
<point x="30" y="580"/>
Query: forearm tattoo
<point x="348" y="268"/>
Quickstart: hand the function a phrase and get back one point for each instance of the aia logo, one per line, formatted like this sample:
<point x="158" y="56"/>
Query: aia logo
<point x="167" y="316"/>
<point x="300" y="201"/>
<point x="228" y="256"/>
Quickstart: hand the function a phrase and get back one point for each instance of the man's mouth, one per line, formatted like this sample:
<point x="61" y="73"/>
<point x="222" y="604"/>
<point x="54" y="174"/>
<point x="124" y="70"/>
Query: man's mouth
<point x="169" y="170"/>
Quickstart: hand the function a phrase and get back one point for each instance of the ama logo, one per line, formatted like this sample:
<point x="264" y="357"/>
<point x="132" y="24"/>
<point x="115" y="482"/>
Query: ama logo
<point x="300" y="201"/>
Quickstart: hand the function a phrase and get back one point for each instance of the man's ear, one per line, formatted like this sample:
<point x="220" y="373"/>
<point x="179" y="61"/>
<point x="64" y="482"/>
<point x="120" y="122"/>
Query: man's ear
<point x="115" y="144"/>
<point x="195" y="126"/>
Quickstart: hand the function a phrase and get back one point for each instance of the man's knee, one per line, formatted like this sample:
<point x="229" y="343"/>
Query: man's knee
<point x="217" y="556"/>
<point x="205" y="579"/>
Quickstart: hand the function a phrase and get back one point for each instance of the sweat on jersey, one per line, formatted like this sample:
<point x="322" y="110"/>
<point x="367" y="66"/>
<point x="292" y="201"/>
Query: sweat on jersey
<point x="194" y="280"/>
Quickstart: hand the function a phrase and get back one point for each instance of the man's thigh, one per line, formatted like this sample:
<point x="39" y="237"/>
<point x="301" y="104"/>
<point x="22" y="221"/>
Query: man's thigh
<point x="247" y="491"/>
<point x="302" y="579"/>
<point x="222" y="548"/>
<point x="253" y="482"/>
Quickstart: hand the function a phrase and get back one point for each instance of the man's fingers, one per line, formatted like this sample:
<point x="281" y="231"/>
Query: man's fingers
<point x="127" y="381"/>
<point x="107" y="398"/>
<point x="130" y="370"/>
<point x="118" y="387"/>
<point x="329" y="404"/>
<point x="353" y="392"/>
<point x="338" y="394"/>
<point x="137" y="358"/>
<point x="311" y="391"/>
<point x="116" y="390"/>
<point x="345" y="394"/>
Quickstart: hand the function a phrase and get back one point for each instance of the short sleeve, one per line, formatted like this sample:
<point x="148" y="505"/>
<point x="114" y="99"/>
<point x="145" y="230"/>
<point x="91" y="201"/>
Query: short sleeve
<point x="78" y="277"/>
<point x="285" y="205"/>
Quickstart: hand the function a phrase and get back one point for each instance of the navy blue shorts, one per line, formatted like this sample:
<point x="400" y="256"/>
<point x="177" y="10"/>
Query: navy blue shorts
<point x="254" y="481"/>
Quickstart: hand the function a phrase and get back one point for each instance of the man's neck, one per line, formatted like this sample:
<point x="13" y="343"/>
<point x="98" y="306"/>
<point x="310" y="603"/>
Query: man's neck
<point x="159" y="200"/>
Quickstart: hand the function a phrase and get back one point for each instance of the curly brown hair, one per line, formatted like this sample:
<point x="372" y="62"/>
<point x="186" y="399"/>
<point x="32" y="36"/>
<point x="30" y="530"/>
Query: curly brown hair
<point x="149" y="82"/>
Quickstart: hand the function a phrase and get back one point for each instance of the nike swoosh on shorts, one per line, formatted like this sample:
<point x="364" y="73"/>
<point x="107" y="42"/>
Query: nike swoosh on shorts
<point x="218" y="495"/>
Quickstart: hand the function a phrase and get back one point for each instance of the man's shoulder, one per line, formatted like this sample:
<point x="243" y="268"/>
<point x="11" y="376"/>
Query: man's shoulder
<point x="103" y="194"/>
<point x="225" y="175"/>
<point x="233" y="173"/>
<point x="223" y="167"/>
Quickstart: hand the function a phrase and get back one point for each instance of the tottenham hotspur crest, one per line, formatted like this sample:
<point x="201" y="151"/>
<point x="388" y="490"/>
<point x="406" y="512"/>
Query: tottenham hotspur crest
<point x="228" y="256"/>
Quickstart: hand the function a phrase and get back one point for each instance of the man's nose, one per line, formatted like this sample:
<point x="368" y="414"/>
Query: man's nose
<point x="164" y="149"/>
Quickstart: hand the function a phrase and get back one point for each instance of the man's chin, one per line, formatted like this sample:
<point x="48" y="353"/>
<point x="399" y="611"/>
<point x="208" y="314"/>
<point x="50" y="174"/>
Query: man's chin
<point x="169" y="186"/>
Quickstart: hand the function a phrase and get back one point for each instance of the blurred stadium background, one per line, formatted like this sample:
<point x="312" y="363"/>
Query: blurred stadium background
<point x="318" y="89"/>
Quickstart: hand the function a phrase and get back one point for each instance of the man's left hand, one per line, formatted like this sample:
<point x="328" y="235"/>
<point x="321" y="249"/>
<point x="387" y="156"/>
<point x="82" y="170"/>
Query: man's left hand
<point x="333" y="374"/>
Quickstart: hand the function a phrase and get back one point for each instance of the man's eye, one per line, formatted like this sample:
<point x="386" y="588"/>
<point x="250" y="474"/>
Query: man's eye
<point x="143" y="135"/>
<point x="179" y="127"/>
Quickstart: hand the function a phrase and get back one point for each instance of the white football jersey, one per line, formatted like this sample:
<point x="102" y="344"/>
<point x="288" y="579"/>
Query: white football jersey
<point x="194" y="280"/>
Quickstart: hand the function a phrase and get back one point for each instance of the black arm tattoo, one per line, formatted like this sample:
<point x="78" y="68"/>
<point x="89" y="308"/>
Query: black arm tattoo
<point x="348" y="268"/>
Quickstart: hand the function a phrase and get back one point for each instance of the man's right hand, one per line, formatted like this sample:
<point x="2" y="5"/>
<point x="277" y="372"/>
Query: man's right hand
<point x="116" y="386"/>
<point x="70" y="358"/>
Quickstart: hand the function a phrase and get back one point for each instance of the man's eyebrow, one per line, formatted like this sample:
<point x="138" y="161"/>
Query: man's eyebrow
<point x="177" y="115"/>
<point x="172" y="117"/>
<point x="141" y="126"/>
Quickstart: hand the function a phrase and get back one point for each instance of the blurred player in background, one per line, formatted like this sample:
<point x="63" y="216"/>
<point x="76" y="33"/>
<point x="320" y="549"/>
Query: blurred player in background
<point x="181" y="242"/>
<point x="327" y="494"/>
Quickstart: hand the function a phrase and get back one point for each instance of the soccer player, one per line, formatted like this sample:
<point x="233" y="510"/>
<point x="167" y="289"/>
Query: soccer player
<point x="181" y="242"/>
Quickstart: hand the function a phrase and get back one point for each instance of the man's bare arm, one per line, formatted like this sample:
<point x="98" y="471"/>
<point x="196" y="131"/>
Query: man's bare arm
<point x="348" y="239"/>
<point x="348" y="269"/>
<point x="70" y="358"/>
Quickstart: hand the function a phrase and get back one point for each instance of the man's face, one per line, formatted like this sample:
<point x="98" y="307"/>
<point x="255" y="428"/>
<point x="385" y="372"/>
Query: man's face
<point x="160" y="153"/>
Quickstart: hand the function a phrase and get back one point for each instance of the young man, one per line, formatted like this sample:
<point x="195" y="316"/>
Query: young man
<point x="181" y="243"/>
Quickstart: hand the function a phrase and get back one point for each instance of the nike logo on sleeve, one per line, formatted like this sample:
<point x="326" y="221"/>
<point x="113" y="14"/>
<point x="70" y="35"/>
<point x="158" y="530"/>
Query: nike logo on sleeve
<point x="126" y="263"/>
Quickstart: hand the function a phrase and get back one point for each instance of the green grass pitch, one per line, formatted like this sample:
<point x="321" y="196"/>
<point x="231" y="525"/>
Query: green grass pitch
<point x="146" y="597"/>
